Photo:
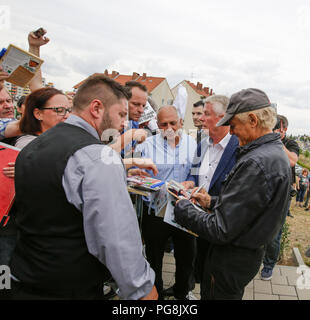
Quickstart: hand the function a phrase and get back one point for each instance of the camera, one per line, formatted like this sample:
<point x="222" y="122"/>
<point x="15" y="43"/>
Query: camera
<point x="39" y="33"/>
<point x="293" y="192"/>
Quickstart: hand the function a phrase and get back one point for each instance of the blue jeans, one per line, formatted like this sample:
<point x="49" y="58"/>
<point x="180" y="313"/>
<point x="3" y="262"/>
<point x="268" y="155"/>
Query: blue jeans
<point x="300" y="195"/>
<point x="307" y="199"/>
<point x="272" y="251"/>
<point x="7" y="245"/>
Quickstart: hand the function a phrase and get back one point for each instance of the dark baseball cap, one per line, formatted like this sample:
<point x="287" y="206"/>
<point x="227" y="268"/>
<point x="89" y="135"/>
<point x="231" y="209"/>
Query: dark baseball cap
<point x="244" y="101"/>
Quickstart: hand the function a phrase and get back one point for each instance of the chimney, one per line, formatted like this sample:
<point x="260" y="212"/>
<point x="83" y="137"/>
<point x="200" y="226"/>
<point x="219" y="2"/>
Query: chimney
<point x="114" y="74"/>
<point x="144" y="76"/>
<point x="135" y="76"/>
<point x="211" y="92"/>
<point x="106" y="73"/>
<point x="199" y="86"/>
<point x="206" y="90"/>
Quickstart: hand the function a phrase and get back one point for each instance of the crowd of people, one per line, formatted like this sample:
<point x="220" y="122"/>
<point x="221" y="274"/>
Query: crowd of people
<point x="74" y="226"/>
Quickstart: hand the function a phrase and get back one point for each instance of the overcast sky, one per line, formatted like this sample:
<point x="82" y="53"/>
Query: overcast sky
<point x="227" y="45"/>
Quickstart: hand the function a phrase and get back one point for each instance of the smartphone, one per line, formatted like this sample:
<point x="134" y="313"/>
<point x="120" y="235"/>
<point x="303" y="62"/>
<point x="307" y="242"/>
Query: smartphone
<point x="39" y="33"/>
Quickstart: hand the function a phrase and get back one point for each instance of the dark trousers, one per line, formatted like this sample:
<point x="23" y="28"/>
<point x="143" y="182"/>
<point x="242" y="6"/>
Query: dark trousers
<point x="227" y="270"/>
<point x="7" y="245"/>
<point x="300" y="195"/>
<point x="272" y="251"/>
<point x="307" y="199"/>
<point x="202" y="250"/>
<point x="155" y="233"/>
<point x="20" y="291"/>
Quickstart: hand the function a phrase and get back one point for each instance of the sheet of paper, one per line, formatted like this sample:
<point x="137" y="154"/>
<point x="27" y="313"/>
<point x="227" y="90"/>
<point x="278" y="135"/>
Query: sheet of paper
<point x="169" y="215"/>
<point x="20" y="64"/>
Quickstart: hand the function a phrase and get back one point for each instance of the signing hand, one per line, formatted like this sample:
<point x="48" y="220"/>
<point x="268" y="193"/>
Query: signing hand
<point x="203" y="198"/>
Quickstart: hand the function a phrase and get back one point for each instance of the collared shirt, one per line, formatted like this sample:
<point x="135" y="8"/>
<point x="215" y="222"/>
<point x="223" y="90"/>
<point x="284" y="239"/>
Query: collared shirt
<point x="128" y="149"/>
<point x="211" y="159"/>
<point x="3" y="124"/>
<point x="173" y="163"/>
<point x="95" y="183"/>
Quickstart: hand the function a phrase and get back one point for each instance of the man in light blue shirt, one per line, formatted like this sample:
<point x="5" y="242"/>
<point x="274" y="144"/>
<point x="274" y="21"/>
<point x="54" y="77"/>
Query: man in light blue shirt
<point x="172" y="151"/>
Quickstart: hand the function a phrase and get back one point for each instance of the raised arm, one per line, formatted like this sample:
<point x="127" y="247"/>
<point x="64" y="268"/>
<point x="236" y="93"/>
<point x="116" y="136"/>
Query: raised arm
<point x="3" y="76"/>
<point x="123" y="140"/>
<point x="34" y="47"/>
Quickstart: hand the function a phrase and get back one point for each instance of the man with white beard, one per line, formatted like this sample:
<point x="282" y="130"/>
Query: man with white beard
<point x="172" y="151"/>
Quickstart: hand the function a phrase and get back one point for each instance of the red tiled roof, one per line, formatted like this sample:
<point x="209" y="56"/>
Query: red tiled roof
<point x="203" y="91"/>
<point x="150" y="82"/>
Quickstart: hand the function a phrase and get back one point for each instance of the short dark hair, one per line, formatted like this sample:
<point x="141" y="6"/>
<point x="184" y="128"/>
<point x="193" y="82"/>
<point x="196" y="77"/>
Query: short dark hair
<point x="21" y="101"/>
<point x="135" y="84"/>
<point x="29" y="124"/>
<point x="198" y="104"/>
<point x="99" y="87"/>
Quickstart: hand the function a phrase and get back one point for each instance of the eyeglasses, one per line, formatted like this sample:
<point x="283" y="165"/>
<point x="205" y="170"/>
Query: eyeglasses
<point x="61" y="111"/>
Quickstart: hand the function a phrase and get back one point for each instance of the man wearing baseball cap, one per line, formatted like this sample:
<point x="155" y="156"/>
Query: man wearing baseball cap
<point x="252" y="203"/>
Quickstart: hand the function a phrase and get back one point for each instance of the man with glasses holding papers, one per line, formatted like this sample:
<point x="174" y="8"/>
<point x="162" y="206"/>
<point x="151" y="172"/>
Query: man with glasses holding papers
<point x="172" y="151"/>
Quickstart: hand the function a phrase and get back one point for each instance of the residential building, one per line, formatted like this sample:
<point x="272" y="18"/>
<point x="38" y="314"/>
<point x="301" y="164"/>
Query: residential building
<point x="195" y="93"/>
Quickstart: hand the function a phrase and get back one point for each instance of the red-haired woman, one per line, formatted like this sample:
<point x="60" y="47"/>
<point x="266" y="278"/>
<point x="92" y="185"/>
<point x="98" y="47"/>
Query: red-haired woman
<point x="44" y="108"/>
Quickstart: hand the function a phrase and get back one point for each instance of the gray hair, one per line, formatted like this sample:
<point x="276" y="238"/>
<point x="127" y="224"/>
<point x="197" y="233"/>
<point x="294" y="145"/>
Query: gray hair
<point x="219" y="103"/>
<point x="267" y="117"/>
<point x="169" y="107"/>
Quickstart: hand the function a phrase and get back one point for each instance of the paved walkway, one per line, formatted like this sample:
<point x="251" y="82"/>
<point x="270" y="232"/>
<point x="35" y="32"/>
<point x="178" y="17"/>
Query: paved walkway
<point x="282" y="286"/>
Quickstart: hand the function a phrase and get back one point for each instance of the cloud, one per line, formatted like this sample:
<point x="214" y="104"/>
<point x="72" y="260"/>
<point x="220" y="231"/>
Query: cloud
<point x="226" y="45"/>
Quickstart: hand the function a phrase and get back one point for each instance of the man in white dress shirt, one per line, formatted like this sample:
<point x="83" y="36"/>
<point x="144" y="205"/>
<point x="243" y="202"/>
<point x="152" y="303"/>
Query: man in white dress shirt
<point x="214" y="159"/>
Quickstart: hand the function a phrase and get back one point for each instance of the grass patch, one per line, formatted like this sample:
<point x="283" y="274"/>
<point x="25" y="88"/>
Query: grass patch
<point x="298" y="236"/>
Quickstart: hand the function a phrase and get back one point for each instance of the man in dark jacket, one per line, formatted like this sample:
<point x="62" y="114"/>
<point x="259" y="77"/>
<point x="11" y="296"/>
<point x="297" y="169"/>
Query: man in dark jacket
<point x="252" y="203"/>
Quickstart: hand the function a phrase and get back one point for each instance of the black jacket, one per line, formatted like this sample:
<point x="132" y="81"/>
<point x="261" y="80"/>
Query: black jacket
<point x="253" y="202"/>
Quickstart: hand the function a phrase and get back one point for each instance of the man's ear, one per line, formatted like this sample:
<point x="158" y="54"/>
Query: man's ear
<point x="253" y="120"/>
<point x="96" y="108"/>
